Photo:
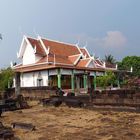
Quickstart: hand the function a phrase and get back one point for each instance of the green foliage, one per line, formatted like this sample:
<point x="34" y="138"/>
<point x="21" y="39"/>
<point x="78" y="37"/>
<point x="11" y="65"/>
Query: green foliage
<point x="110" y="59"/>
<point x="6" y="78"/>
<point x="107" y="80"/>
<point x="131" y="61"/>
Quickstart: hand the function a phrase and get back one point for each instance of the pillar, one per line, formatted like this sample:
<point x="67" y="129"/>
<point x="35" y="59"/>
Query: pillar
<point x="85" y="81"/>
<point x="72" y="81"/>
<point x="17" y="83"/>
<point x="118" y="83"/>
<point x="94" y="81"/>
<point x="118" y="80"/>
<point x="59" y="78"/>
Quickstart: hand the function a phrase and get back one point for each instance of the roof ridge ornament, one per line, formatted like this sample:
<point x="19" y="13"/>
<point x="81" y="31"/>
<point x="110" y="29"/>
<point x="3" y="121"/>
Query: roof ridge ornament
<point x="85" y="45"/>
<point x="48" y="50"/>
<point x="93" y="56"/>
<point x="77" y="43"/>
<point x="35" y="49"/>
<point x="34" y="31"/>
<point x="18" y="55"/>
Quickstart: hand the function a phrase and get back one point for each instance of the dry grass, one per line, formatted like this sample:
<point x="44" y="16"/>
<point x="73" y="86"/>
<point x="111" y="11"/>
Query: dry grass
<point x="65" y="123"/>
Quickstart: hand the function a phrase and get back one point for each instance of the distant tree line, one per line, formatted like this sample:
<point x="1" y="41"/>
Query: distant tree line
<point x="127" y="79"/>
<point x="127" y="63"/>
<point x="130" y="61"/>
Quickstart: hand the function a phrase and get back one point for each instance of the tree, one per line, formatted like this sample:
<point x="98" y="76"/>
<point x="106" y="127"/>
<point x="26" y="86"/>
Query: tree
<point x="6" y="78"/>
<point x="109" y="79"/>
<point x="110" y="59"/>
<point x="131" y="61"/>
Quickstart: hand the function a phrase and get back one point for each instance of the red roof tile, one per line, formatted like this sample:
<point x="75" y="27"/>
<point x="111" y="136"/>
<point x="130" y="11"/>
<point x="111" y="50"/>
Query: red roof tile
<point x="61" y="49"/>
<point x="56" y="59"/>
<point x="98" y="62"/>
<point x="85" y="53"/>
<point x="83" y="62"/>
<point x="74" y="58"/>
<point x="37" y="44"/>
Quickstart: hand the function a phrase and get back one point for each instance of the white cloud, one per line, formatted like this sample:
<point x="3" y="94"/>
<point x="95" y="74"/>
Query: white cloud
<point x="113" y="42"/>
<point x="113" y="39"/>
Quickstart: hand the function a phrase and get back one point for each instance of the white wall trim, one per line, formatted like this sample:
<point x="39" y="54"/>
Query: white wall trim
<point x="20" y="53"/>
<point x="74" y="55"/>
<point x="79" y="50"/>
<point x="43" y="45"/>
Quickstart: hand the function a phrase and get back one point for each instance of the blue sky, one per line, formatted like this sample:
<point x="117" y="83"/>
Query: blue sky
<point x="108" y="26"/>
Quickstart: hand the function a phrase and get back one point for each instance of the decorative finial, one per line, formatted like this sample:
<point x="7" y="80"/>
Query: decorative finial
<point x="86" y="44"/>
<point x="17" y="55"/>
<point x="35" y="49"/>
<point x="77" y="43"/>
<point x="34" y="31"/>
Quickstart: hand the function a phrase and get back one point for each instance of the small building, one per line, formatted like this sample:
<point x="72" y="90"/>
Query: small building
<point x="46" y="62"/>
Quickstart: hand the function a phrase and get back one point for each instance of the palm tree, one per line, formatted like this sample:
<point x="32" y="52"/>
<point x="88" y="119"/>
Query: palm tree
<point x="110" y="59"/>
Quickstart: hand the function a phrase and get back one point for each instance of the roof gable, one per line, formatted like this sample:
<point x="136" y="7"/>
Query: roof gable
<point x="23" y="46"/>
<point x="74" y="58"/>
<point x="83" y="62"/>
<point x="37" y="46"/>
<point x="85" y="52"/>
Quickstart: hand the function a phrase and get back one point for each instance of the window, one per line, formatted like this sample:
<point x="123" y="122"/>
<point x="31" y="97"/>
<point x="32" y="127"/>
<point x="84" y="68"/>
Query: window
<point x="39" y="80"/>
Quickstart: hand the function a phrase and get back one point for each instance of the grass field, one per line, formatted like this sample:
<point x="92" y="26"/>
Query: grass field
<point x="63" y="123"/>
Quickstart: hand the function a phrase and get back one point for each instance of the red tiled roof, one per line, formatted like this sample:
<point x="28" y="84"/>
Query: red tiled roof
<point x="56" y="59"/>
<point x="61" y="49"/>
<point x="37" y="44"/>
<point x="98" y="62"/>
<point x="85" y="53"/>
<point x="83" y="62"/>
<point x="74" y="58"/>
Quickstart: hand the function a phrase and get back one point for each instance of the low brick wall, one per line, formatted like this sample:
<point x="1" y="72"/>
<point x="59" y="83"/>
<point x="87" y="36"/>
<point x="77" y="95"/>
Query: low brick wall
<point x="117" y="98"/>
<point x="121" y="97"/>
<point x="32" y="92"/>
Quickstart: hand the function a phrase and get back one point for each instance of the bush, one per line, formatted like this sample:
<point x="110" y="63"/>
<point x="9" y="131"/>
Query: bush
<point x="107" y="80"/>
<point x="6" y="78"/>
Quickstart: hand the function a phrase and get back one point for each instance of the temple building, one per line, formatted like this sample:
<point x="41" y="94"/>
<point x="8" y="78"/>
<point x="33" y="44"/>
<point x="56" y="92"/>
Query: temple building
<point x="46" y="62"/>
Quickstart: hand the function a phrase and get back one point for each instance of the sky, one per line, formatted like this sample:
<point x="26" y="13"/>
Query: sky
<point x="103" y="26"/>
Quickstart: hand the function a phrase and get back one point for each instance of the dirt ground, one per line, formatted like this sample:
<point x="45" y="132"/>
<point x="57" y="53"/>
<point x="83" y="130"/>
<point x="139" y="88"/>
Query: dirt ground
<point x="63" y="123"/>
